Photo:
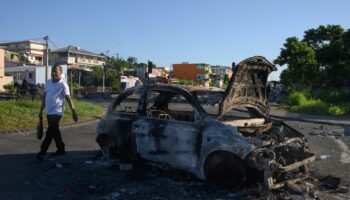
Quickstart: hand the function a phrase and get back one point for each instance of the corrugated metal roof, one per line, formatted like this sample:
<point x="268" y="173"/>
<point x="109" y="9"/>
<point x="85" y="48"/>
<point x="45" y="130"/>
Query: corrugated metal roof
<point x="74" y="49"/>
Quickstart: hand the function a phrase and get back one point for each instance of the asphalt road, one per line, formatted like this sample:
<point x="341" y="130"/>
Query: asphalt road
<point x="73" y="176"/>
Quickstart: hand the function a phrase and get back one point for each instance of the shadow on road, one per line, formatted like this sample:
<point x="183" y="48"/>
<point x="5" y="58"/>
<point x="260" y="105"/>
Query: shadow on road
<point x="76" y="176"/>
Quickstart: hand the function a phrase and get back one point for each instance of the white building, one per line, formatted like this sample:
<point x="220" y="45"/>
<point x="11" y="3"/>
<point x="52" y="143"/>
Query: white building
<point x="4" y="80"/>
<point x="75" y="57"/>
<point x="221" y="71"/>
<point x="32" y="50"/>
<point x="33" y="74"/>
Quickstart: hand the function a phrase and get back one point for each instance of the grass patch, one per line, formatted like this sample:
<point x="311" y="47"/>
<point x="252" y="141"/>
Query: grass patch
<point x="24" y="113"/>
<point x="318" y="102"/>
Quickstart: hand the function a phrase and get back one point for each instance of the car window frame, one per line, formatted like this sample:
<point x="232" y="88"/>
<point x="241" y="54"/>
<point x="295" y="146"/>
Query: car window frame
<point x="198" y="110"/>
<point x="122" y="96"/>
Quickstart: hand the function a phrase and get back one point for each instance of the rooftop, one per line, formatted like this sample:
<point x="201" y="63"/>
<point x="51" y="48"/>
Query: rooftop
<point x="74" y="49"/>
<point x="23" y="41"/>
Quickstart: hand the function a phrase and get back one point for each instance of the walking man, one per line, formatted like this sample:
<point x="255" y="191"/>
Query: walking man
<point x="56" y="91"/>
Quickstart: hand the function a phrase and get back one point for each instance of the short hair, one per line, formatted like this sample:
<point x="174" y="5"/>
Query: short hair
<point x="57" y="66"/>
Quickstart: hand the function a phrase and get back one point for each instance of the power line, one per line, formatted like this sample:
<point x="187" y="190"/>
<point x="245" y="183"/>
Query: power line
<point x="38" y="38"/>
<point x="53" y="43"/>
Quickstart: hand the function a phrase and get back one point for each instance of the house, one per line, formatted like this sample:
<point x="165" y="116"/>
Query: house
<point x="13" y="59"/>
<point x="163" y="71"/>
<point x="33" y="51"/>
<point x="4" y="80"/>
<point x="221" y="71"/>
<point x="155" y="72"/>
<point x="76" y="58"/>
<point x="32" y="74"/>
<point x="128" y="81"/>
<point x="198" y="72"/>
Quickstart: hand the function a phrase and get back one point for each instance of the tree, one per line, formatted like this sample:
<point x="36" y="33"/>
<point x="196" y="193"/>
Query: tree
<point x="327" y="42"/>
<point x="346" y="55"/>
<point x="132" y="62"/>
<point x="320" y="59"/>
<point x="143" y="65"/>
<point x="301" y="61"/>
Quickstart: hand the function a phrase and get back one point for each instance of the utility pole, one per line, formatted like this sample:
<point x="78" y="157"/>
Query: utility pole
<point x="71" y="82"/>
<point x="104" y="70"/>
<point x="47" y="56"/>
<point x="149" y="71"/>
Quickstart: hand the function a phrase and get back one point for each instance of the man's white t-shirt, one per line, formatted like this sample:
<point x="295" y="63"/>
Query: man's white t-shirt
<point x="55" y="96"/>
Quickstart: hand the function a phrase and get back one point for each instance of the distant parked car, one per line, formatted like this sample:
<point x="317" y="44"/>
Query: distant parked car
<point x="167" y="125"/>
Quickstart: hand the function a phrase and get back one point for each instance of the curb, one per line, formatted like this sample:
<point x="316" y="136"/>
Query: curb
<point x="25" y="131"/>
<point x="321" y="121"/>
<point x="30" y="131"/>
<point x="311" y="121"/>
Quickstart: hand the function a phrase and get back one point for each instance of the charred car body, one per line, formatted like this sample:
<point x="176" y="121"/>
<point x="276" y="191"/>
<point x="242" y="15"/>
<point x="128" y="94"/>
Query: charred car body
<point x="167" y="125"/>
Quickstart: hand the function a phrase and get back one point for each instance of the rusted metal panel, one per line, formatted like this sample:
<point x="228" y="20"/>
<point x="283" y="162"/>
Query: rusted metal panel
<point x="295" y="165"/>
<point x="247" y="87"/>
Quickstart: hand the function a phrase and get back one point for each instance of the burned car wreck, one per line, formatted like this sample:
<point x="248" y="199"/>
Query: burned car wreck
<point x="168" y="125"/>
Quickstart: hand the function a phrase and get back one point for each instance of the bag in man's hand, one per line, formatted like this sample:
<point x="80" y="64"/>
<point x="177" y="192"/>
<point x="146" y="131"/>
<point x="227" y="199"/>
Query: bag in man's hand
<point x="40" y="129"/>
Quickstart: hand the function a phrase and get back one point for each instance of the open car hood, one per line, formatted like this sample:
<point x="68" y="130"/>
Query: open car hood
<point x="247" y="87"/>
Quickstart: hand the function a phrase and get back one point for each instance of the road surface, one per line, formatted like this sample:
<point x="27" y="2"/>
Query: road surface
<point x="73" y="176"/>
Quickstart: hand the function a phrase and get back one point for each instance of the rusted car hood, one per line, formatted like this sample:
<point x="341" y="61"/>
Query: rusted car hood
<point x="247" y="86"/>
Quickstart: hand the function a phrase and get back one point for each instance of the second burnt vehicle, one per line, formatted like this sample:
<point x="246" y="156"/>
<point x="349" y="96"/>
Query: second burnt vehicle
<point x="168" y="125"/>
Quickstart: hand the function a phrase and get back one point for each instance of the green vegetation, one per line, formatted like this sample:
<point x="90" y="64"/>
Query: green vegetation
<point x="319" y="102"/>
<point x="318" y="71"/>
<point x="24" y="113"/>
<point x="10" y="88"/>
<point x="319" y="61"/>
<point x="187" y="82"/>
<point x="115" y="67"/>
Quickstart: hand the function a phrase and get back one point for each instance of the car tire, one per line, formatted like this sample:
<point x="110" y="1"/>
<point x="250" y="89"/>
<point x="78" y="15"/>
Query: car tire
<point x="229" y="172"/>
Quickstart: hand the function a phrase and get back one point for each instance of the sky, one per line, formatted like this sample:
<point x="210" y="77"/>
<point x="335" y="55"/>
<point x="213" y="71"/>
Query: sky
<point x="216" y="32"/>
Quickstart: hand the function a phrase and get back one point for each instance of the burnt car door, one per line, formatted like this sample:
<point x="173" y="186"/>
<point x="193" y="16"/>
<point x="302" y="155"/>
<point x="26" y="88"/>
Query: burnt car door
<point x="169" y="129"/>
<point x="117" y="123"/>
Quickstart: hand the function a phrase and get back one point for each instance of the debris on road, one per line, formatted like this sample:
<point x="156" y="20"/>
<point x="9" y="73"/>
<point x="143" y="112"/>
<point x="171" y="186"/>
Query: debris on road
<point x="324" y="157"/>
<point x="330" y="182"/>
<point x="92" y="187"/>
<point x="89" y="162"/>
<point x="57" y="165"/>
<point x="326" y="133"/>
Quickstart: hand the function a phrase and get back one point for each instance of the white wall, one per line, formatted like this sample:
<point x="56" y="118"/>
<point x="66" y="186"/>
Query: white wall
<point x="40" y="74"/>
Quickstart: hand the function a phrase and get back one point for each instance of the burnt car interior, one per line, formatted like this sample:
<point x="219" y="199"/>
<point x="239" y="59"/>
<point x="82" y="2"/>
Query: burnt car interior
<point x="162" y="104"/>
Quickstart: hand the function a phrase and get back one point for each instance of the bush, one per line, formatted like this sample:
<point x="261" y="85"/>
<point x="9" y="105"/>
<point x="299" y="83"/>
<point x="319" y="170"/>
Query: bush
<point x="331" y="96"/>
<point x="345" y="106"/>
<point x="296" y="99"/>
<point x="313" y="106"/>
<point x="10" y="88"/>
<point x="319" y="102"/>
<point x="336" y="110"/>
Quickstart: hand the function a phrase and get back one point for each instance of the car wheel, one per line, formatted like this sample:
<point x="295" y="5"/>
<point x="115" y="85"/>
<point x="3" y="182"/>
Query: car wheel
<point x="225" y="169"/>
